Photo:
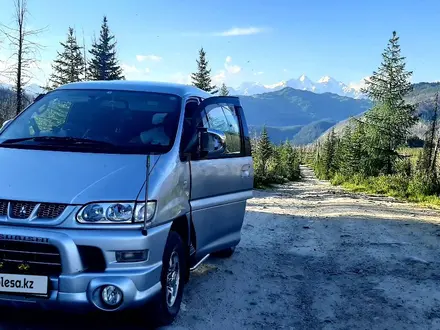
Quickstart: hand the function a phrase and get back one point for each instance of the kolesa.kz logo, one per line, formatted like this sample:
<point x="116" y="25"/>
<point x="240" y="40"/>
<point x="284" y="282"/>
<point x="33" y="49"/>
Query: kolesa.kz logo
<point x="25" y="284"/>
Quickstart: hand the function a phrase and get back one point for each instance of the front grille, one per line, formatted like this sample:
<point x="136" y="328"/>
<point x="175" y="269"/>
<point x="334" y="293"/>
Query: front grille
<point x="21" y="210"/>
<point x="29" y="258"/>
<point x="3" y="207"/>
<point x="50" y="211"/>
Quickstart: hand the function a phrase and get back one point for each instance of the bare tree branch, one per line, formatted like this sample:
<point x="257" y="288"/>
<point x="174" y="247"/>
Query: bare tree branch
<point x="25" y="51"/>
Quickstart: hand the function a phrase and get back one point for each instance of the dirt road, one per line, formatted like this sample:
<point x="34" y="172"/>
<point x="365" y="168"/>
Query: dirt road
<point x="313" y="256"/>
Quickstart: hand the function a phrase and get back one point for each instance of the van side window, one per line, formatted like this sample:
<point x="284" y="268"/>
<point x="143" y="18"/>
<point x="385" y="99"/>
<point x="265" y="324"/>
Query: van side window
<point x="224" y="119"/>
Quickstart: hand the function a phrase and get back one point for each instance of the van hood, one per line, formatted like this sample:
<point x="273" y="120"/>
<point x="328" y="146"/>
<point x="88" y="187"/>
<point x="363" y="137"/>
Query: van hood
<point x="70" y="177"/>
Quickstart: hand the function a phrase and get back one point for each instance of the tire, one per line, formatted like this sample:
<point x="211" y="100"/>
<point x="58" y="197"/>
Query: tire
<point x="166" y="309"/>
<point x="226" y="253"/>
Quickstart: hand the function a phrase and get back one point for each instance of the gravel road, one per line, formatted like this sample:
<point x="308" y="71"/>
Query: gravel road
<point x="312" y="256"/>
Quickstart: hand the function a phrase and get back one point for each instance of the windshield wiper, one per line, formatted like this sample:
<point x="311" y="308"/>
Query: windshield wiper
<point x="61" y="140"/>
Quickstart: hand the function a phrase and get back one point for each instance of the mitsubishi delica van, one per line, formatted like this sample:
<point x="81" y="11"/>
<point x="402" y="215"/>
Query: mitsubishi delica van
<point x="112" y="192"/>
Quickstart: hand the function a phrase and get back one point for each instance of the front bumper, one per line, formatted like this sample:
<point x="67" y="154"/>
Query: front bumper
<point x="76" y="288"/>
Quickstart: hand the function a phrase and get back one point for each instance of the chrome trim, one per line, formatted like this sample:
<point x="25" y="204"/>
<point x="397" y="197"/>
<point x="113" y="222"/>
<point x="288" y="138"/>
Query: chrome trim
<point x="29" y="252"/>
<point x="34" y="262"/>
<point x="199" y="263"/>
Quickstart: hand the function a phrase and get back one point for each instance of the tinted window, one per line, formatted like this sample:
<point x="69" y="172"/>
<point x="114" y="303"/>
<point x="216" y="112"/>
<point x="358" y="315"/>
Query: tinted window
<point x="131" y="121"/>
<point x="224" y="118"/>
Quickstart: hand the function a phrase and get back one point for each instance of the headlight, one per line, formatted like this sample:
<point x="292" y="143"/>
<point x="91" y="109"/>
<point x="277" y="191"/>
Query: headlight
<point x="118" y="212"/>
<point x="139" y="213"/>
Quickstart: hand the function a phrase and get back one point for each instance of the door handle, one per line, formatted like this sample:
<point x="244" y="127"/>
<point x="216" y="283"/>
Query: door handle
<point x="245" y="170"/>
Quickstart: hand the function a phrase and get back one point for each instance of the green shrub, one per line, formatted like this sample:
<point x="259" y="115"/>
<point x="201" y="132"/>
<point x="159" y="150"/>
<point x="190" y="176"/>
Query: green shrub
<point x="423" y="184"/>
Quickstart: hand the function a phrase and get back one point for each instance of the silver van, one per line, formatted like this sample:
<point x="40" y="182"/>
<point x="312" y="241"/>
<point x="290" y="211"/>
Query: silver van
<point x="111" y="192"/>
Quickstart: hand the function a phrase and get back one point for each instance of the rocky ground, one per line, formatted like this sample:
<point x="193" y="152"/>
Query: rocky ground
<point x="312" y="256"/>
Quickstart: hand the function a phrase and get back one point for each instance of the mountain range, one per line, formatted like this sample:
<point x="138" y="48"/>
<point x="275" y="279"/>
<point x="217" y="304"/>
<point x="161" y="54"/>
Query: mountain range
<point x="297" y="115"/>
<point x="422" y="96"/>
<point x="325" y="84"/>
<point x="32" y="89"/>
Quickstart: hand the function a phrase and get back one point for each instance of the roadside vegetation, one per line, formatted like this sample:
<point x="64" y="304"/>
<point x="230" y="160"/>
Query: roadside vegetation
<point x="274" y="163"/>
<point x="372" y="153"/>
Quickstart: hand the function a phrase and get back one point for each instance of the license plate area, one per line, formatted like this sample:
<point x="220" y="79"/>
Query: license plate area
<point x="24" y="284"/>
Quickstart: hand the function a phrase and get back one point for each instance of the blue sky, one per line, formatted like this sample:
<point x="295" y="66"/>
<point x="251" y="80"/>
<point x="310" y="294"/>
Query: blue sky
<point x="244" y="40"/>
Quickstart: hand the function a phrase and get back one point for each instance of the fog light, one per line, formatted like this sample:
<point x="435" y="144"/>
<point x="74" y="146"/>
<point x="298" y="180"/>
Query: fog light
<point x="111" y="295"/>
<point x="131" y="256"/>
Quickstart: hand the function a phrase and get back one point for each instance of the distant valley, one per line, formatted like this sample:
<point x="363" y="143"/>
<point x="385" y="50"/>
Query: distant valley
<point x="297" y="115"/>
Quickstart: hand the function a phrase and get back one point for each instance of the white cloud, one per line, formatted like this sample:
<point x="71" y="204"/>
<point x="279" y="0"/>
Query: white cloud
<point x="219" y="78"/>
<point x="180" y="78"/>
<point x="133" y="72"/>
<point x="129" y="68"/>
<point x="240" y="32"/>
<point x="357" y="85"/>
<point x="231" y="68"/>
<point x="259" y="73"/>
<point x="154" y="58"/>
<point x="232" y="32"/>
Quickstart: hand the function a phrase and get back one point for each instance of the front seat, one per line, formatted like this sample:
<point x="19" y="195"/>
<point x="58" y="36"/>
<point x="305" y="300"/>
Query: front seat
<point x="157" y="134"/>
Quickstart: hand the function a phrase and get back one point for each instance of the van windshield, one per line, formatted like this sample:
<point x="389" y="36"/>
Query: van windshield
<point x="97" y="120"/>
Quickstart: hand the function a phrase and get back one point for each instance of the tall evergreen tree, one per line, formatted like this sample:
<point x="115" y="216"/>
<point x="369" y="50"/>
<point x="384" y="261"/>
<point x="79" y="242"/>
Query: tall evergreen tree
<point x="69" y="65"/>
<point x="263" y="152"/>
<point x="104" y="64"/>
<point x="326" y="160"/>
<point x="390" y="120"/>
<point x="224" y="90"/>
<point x="202" y="78"/>
<point x="351" y="153"/>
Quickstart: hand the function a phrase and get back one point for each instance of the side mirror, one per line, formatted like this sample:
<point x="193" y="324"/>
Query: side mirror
<point x="212" y="142"/>
<point x="5" y="123"/>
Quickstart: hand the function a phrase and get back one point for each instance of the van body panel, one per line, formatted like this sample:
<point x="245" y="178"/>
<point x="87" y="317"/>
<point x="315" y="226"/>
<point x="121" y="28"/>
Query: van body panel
<point x="221" y="184"/>
<point x="210" y="192"/>
<point x="70" y="177"/>
<point x="168" y="185"/>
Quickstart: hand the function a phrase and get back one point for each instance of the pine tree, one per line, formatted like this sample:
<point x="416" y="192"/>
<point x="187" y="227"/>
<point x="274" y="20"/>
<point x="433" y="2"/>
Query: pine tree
<point x="104" y="65"/>
<point x="69" y="65"/>
<point x="289" y="159"/>
<point x="224" y="90"/>
<point x="345" y="152"/>
<point x="264" y="152"/>
<point x="202" y="78"/>
<point x="352" y="154"/>
<point x="327" y="161"/>
<point x="390" y="120"/>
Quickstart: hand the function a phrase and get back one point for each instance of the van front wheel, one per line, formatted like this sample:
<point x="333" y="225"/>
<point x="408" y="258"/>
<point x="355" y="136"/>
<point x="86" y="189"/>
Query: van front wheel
<point x="173" y="280"/>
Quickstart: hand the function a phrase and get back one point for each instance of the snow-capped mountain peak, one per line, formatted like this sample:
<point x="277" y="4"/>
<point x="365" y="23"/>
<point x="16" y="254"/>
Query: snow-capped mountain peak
<point x="281" y="84"/>
<point x="325" y="84"/>
<point x="303" y="78"/>
<point x="325" y="79"/>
